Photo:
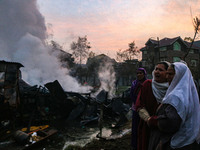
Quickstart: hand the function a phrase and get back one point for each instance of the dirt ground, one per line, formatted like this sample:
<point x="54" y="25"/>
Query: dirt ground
<point x="123" y="143"/>
<point x="119" y="140"/>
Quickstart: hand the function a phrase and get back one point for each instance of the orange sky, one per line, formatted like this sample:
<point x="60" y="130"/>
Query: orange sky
<point x="111" y="24"/>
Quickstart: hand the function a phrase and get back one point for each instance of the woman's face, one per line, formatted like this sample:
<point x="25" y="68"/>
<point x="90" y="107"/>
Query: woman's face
<point x="140" y="75"/>
<point x="160" y="73"/>
<point x="170" y="74"/>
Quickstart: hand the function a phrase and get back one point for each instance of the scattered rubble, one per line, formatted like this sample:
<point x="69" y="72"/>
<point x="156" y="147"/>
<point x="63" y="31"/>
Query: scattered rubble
<point x="24" y="106"/>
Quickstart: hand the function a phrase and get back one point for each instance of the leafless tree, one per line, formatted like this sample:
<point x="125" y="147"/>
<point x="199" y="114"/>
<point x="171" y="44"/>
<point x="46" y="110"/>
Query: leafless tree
<point x="196" y="24"/>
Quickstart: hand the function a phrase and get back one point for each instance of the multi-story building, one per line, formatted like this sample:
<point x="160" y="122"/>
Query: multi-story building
<point x="172" y="50"/>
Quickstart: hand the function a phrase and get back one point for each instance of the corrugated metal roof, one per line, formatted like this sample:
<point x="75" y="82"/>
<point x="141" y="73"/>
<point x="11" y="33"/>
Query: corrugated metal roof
<point x="6" y="62"/>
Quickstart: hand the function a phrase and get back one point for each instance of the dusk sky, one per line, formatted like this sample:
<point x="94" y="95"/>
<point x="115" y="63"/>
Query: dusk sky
<point x="111" y="24"/>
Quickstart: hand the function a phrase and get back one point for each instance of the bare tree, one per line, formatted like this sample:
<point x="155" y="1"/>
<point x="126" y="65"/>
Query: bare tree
<point x="80" y="48"/>
<point x="196" y="24"/>
<point x="120" y="55"/>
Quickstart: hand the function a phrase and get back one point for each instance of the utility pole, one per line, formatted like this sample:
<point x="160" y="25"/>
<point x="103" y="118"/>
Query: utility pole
<point x="158" y="49"/>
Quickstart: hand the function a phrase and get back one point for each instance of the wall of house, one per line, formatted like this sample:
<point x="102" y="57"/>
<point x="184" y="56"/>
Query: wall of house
<point x="153" y="56"/>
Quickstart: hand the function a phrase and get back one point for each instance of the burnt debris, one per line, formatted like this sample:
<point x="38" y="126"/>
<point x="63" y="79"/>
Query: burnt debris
<point x="23" y="105"/>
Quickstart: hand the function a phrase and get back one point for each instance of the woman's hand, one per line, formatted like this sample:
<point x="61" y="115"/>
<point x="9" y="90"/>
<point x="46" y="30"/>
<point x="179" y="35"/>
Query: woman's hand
<point x="152" y="121"/>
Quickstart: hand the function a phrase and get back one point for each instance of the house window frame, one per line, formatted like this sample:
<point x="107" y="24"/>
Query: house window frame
<point x="177" y="46"/>
<point x="176" y="59"/>
<point x="144" y="63"/>
<point x="163" y="48"/>
<point x="193" y="62"/>
<point x="145" y="52"/>
<point x="191" y="51"/>
<point x="163" y="59"/>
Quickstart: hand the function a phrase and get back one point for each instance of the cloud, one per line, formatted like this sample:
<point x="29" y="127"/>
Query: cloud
<point x="111" y="25"/>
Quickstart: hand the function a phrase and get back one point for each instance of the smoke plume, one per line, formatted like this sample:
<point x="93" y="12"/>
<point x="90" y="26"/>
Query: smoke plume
<point x="107" y="78"/>
<point x="22" y="39"/>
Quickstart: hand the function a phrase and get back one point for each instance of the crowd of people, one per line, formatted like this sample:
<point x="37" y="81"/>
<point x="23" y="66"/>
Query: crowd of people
<point x="166" y="109"/>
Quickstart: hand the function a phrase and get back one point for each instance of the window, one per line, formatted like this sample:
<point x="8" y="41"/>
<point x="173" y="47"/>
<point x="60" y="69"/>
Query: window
<point x="163" y="48"/>
<point x="145" y="52"/>
<point x="191" y="51"/>
<point x="144" y="63"/>
<point x="193" y="63"/>
<point x="176" y="59"/>
<point x="163" y="59"/>
<point x="176" y="46"/>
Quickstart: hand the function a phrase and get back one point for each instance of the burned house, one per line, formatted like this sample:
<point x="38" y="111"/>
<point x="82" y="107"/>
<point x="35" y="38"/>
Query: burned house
<point x="9" y="91"/>
<point x="24" y="106"/>
<point x="18" y="100"/>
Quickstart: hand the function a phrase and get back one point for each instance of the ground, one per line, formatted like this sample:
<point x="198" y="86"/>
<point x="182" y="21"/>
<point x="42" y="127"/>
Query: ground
<point x="118" y="142"/>
<point x="123" y="143"/>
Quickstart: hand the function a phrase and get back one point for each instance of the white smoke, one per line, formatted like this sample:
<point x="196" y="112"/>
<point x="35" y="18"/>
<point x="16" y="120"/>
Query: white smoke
<point x="107" y="78"/>
<point x="22" y="37"/>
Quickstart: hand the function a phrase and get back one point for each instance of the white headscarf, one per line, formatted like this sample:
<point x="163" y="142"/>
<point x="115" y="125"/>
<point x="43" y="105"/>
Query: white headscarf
<point x="159" y="90"/>
<point x="183" y="96"/>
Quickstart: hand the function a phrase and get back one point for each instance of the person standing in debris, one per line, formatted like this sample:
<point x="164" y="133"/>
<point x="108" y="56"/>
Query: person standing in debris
<point x="148" y="100"/>
<point x="177" y="121"/>
<point x="135" y="87"/>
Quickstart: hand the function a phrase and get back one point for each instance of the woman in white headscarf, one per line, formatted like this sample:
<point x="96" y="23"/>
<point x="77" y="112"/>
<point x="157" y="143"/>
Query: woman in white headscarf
<point x="177" y="123"/>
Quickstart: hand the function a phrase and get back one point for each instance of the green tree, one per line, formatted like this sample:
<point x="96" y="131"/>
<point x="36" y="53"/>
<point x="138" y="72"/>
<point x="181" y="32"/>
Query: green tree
<point x="80" y="48"/>
<point x="188" y="39"/>
<point x="92" y="54"/>
<point x="55" y="45"/>
<point x="129" y="53"/>
<point x="64" y="57"/>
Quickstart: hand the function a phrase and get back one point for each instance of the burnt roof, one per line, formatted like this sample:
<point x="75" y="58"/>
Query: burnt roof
<point x="15" y="63"/>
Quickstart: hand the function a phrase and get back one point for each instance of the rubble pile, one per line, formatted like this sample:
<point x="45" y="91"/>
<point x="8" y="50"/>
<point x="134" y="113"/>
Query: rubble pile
<point x="23" y="105"/>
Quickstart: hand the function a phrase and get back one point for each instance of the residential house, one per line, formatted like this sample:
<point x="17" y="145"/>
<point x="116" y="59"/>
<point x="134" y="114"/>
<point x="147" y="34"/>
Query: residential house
<point x="172" y="50"/>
